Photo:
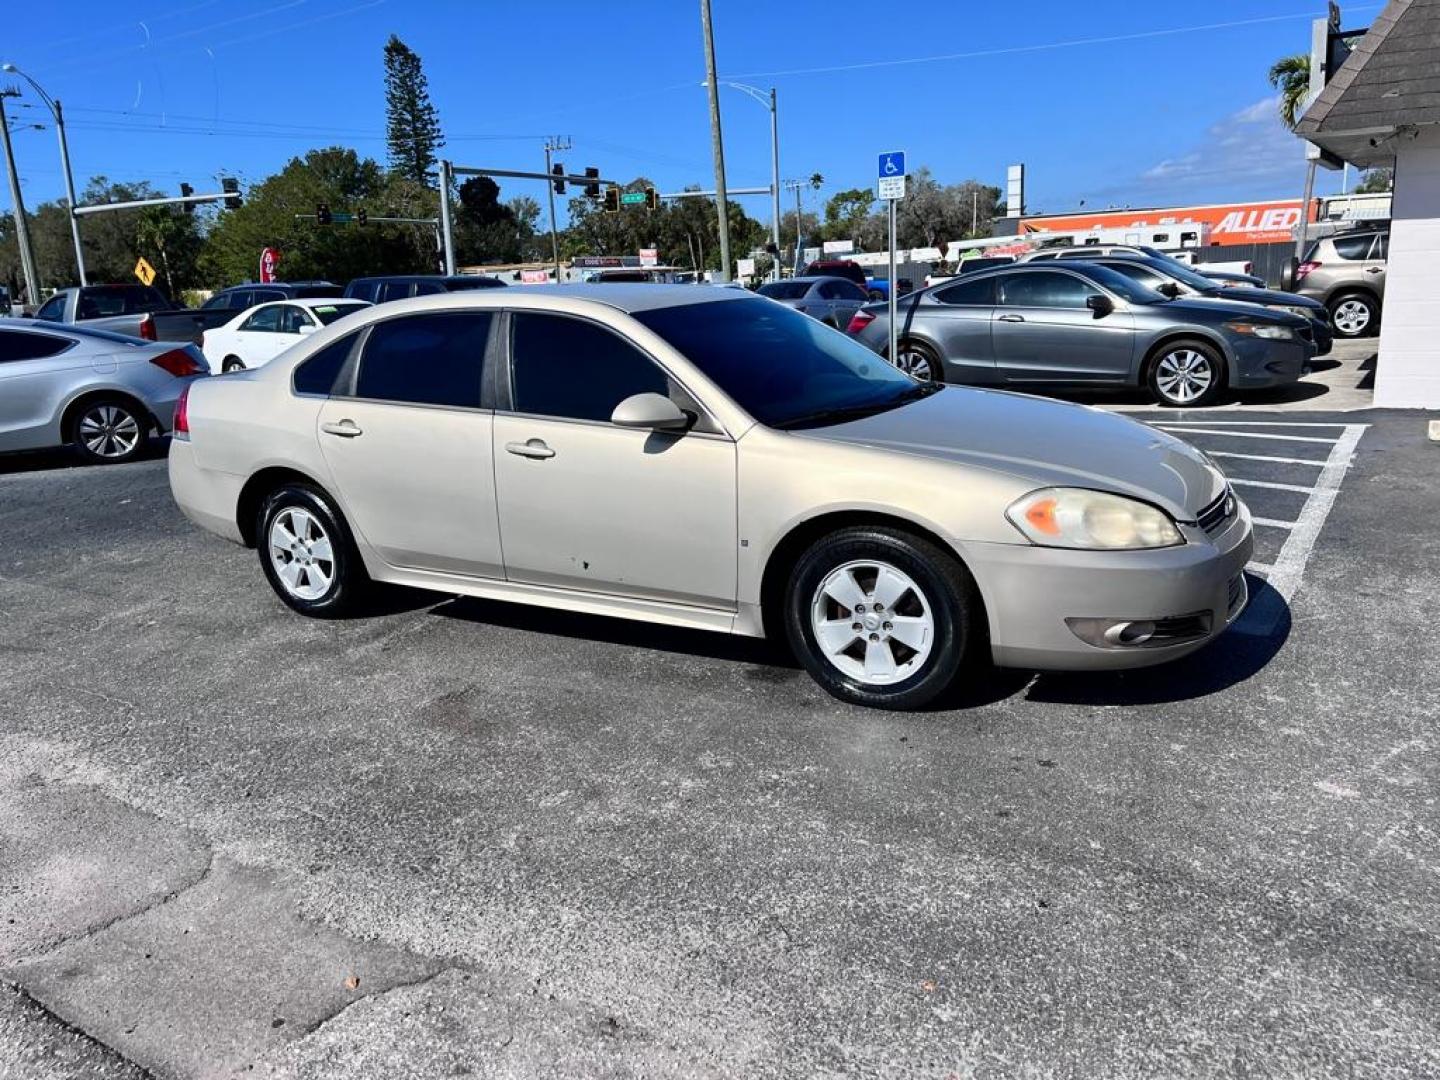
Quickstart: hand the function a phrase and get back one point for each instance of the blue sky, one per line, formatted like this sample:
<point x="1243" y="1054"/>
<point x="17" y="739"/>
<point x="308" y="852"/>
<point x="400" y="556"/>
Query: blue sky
<point x="1108" y="101"/>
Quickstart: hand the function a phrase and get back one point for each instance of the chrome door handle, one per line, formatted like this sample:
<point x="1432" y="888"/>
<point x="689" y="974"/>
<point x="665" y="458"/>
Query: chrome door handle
<point x="346" y="429"/>
<point x="1374" y="270"/>
<point x="1011" y="318"/>
<point x="533" y="448"/>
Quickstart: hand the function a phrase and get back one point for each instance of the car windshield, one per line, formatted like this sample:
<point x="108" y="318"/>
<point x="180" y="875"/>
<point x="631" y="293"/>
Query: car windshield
<point x="1180" y="272"/>
<point x="328" y="313"/>
<point x="1118" y="283"/>
<point x="785" y="369"/>
<point x="785" y="290"/>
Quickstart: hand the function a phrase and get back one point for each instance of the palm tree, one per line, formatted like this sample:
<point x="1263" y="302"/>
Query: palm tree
<point x="1291" y="76"/>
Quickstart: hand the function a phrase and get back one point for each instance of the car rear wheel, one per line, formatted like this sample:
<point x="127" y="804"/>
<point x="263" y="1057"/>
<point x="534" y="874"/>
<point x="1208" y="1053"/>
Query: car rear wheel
<point x="232" y="363"/>
<point x="918" y="359"/>
<point x="307" y="554"/>
<point x="110" y="431"/>
<point x="1187" y="374"/>
<point x="880" y="618"/>
<point x="1353" y="315"/>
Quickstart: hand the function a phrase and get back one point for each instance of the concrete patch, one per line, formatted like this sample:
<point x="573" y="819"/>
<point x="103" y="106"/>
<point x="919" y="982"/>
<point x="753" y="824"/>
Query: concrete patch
<point x="35" y="1045"/>
<point x="215" y="980"/>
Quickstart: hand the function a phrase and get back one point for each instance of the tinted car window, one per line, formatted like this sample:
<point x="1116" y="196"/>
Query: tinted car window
<point x="575" y="369"/>
<point x="219" y="300"/>
<point x="53" y="310"/>
<point x="20" y="345"/>
<point x="785" y="290"/>
<point x="328" y="313"/>
<point x="362" y="290"/>
<point x="264" y="321"/>
<point x="1135" y="272"/>
<point x="265" y="296"/>
<point x="473" y="282"/>
<point x="293" y="318"/>
<point x="427" y="288"/>
<point x="431" y="359"/>
<point x="1046" y="289"/>
<point x="1352" y="247"/>
<point x="782" y="367"/>
<point x="393" y="290"/>
<point x="317" y="374"/>
<point x="977" y="291"/>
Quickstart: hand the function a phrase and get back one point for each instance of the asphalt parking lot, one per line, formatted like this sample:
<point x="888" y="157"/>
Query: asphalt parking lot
<point x="470" y="838"/>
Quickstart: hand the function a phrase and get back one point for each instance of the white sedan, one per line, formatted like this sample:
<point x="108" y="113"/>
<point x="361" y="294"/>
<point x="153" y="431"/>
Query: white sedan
<point x="255" y="337"/>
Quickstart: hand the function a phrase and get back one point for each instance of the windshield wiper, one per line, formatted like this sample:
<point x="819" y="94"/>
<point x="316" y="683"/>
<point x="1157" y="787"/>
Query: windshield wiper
<point x="842" y="413"/>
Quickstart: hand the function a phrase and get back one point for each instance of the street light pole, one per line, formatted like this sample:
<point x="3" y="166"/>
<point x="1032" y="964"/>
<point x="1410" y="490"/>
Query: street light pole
<point x="717" y="142"/>
<point x="768" y="100"/>
<point x="55" y="110"/>
<point x="22" y="229"/>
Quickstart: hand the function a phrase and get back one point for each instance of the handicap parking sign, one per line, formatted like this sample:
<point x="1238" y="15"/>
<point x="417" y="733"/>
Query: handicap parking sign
<point x="892" y="164"/>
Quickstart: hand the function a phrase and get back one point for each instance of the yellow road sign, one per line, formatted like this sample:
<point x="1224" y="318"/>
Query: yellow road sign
<point x="145" y="272"/>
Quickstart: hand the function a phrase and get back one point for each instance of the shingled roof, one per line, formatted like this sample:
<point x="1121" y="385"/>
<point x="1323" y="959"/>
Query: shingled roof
<point x="1391" y="78"/>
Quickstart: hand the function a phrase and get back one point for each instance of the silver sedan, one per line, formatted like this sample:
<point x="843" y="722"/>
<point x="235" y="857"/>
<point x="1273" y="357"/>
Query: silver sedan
<point x="104" y="393"/>
<point x="709" y="459"/>
<point x="833" y="300"/>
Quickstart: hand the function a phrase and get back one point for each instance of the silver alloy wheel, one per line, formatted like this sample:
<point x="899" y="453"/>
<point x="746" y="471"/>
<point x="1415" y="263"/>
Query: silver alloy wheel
<point x="1352" y="317"/>
<point x="1183" y="375"/>
<point x="913" y="362"/>
<point x="109" y="431"/>
<point x="872" y="622"/>
<point x="301" y="554"/>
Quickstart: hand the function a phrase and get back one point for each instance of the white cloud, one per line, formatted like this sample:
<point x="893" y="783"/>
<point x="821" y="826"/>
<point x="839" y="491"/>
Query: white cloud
<point x="1248" y="146"/>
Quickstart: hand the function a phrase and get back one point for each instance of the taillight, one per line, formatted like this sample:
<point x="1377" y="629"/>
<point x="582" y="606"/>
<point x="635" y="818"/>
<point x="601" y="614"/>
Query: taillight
<point x="178" y="362"/>
<point x="859" y="321"/>
<point x="1305" y="268"/>
<point x="181" y="426"/>
<point x="147" y="329"/>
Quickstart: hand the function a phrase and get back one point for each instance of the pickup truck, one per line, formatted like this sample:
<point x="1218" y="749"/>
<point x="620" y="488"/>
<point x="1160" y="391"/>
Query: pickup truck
<point x="142" y="311"/>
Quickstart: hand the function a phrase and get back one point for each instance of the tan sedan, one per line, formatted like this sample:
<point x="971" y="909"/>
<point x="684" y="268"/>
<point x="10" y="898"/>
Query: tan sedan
<point x="707" y="458"/>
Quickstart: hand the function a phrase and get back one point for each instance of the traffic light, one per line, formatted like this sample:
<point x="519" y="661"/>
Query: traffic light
<point x="592" y="189"/>
<point x="612" y="200"/>
<point x="231" y="187"/>
<point x="652" y="199"/>
<point x="361" y="217"/>
<point x="322" y="213"/>
<point x="558" y="171"/>
<point x="185" y="192"/>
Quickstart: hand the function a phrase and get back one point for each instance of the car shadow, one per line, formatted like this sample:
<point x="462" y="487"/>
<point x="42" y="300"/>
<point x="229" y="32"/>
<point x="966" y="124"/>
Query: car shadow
<point x="64" y="457"/>
<point x="1279" y="395"/>
<point x="1232" y="658"/>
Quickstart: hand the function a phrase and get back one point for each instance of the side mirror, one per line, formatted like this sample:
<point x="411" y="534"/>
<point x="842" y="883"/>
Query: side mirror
<point x="307" y="328"/>
<point x="1100" y="305"/>
<point x="1169" y="289"/>
<point x="652" y="411"/>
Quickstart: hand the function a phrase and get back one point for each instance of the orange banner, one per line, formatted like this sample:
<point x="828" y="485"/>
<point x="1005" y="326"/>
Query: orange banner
<point x="1230" y="223"/>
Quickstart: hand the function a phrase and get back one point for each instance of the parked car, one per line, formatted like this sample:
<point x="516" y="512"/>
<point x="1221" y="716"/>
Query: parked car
<point x="382" y="290"/>
<point x="844" y="268"/>
<point x="190" y="324"/>
<point x="1231" y="277"/>
<point x="710" y="459"/>
<point x="1076" y="323"/>
<point x="1346" y="273"/>
<point x="969" y="266"/>
<point x="118" y="308"/>
<point x="832" y="300"/>
<point x="103" y="393"/>
<point x="1167" y="277"/>
<point x="255" y="337"/>
<point x="878" y="288"/>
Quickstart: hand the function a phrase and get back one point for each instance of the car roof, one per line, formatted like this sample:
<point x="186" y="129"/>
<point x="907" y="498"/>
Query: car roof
<point x="627" y="297"/>
<point x="812" y="279"/>
<point x="318" y="301"/>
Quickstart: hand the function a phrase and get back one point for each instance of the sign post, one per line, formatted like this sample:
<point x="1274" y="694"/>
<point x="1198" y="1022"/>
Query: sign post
<point x="891" y="188"/>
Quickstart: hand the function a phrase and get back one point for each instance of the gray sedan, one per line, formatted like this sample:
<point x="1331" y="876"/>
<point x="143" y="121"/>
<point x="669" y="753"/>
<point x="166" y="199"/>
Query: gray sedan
<point x="1079" y="323"/>
<point x="832" y="300"/>
<point x="104" y="393"/>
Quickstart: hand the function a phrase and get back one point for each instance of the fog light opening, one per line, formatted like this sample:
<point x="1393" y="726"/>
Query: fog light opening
<point x="1130" y="633"/>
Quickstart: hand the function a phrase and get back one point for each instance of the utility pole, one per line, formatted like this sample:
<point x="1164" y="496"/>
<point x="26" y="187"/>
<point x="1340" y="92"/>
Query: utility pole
<point x="551" y="145"/>
<point x="22" y="228"/>
<point x="447" y="226"/>
<point x="54" y="106"/>
<point x="775" y="176"/>
<point x="716" y="141"/>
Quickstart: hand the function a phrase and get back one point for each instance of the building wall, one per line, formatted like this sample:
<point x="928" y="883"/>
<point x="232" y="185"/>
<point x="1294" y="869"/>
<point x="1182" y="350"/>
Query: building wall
<point x="1408" y="372"/>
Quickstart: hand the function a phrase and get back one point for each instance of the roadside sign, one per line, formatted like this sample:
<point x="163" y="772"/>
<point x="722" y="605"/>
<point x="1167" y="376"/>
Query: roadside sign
<point x="649" y="256"/>
<point x="633" y="198"/>
<point x="891" y="187"/>
<point x="839" y="247"/>
<point x="534" y="277"/>
<point x="269" y="259"/>
<point x="890" y="182"/>
<point x="745" y="268"/>
<point x="145" y="272"/>
<point x="892" y="164"/>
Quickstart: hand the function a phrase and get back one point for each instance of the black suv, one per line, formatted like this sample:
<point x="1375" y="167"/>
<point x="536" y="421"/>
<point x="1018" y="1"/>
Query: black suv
<point x="380" y="290"/>
<point x="244" y="297"/>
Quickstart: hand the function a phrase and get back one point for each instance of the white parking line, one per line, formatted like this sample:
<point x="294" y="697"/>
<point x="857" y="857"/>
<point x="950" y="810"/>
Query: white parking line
<point x="1273" y="523"/>
<point x="1242" y="423"/>
<point x="1271" y="484"/>
<point x="1264" y="457"/>
<point x="1250" y="435"/>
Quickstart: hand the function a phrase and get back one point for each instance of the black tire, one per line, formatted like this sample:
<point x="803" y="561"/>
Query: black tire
<point x="348" y="586"/>
<point x="110" y="430"/>
<point x="1354" y="314"/>
<point x="875" y="294"/>
<point x="231" y="363"/>
<point x="946" y="590"/>
<point x="1173" y="353"/>
<point x="918" y="359"/>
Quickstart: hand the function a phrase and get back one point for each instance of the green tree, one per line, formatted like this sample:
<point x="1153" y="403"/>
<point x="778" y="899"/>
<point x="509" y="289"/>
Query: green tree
<point x="167" y="238"/>
<point x="1376" y="181"/>
<point x="846" y="211"/>
<point x="1291" y="76"/>
<point x="487" y="230"/>
<point x="412" y="127"/>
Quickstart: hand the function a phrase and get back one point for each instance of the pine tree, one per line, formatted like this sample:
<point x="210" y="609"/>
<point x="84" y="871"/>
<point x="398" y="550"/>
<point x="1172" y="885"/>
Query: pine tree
<point x="412" y="127"/>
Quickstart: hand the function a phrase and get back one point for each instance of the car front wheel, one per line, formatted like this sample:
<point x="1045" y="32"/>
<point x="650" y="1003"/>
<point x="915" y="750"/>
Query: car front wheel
<point x="881" y="618"/>
<point x="307" y="554"/>
<point x="1187" y="374"/>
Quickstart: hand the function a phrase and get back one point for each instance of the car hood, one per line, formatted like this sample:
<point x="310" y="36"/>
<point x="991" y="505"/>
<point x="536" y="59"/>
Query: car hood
<point x="1207" y="308"/>
<point x="1047" y="443"/>
<point x="1248" y="295"/>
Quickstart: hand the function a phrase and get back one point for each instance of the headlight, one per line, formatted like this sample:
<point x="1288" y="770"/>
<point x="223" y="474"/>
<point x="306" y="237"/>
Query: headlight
<point x="1304" y="313"/>
<point x="1261" y="330"/>
<point x="1076" y="518"/>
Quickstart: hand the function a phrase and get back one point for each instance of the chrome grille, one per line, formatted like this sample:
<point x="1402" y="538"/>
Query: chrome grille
<point x="1218" y="514"/>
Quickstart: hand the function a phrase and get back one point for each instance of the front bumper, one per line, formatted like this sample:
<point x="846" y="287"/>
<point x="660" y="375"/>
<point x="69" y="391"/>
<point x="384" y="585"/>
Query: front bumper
<point x="1030" y="592"/>
<point x="1260" y="363"/>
